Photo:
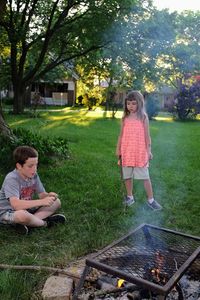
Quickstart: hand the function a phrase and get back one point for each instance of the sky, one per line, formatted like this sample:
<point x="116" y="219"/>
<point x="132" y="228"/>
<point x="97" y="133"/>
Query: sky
<point x="178" y="5"/>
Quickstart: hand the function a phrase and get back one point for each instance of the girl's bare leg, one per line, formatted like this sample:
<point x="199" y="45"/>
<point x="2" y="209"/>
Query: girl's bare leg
<point x="129" y="186"/>
<point x="148" y="188"/>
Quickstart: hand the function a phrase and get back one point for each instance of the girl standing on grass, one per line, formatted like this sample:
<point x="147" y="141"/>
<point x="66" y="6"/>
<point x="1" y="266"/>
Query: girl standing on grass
<point x="134" y="148"/>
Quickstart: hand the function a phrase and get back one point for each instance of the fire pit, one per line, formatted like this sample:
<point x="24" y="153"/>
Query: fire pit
<point x="152" y="257"/>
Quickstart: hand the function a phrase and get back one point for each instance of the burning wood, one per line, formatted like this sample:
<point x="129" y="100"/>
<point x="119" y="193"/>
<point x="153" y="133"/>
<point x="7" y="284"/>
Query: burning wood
<point x="120" y="283"/>
<point x="94" y="289"/>
<point x="158" y="277"/>
<point x="156" y="274"/>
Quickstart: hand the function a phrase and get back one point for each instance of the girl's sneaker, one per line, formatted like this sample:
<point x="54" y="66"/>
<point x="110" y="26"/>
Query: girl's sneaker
<point x="154" y="205"/>
<point x="128" y="201"/>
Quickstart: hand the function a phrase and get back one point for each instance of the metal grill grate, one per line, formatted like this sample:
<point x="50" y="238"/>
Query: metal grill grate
<point x="148" y="247"/>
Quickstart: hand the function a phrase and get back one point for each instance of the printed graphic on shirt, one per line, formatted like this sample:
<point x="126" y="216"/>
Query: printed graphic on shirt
<point x="27" y="193"/>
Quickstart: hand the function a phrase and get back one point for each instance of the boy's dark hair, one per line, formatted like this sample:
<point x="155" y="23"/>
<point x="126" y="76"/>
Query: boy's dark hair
<point x="22" y="153"/>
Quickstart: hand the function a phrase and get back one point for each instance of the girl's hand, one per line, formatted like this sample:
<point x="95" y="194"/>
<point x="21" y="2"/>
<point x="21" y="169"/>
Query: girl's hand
<point x="119" y="160"/>
<point x="150" y="156"/>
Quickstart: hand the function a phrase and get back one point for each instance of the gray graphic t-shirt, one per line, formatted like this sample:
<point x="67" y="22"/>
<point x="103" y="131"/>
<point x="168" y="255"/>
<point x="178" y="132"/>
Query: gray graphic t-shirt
<point x="15" y="186"/>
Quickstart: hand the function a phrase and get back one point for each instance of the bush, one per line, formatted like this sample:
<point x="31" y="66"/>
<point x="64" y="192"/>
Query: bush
<point x="91" y="102"/>
<point x="187" y="104"/>
<point x="152" y="107"/>
<point x="8" y="101"/>
<point x="48" y="149"/>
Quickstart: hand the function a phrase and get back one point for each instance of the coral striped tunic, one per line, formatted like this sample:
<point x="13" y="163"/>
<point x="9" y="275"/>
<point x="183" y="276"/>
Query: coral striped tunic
<point x="133" y="145"/>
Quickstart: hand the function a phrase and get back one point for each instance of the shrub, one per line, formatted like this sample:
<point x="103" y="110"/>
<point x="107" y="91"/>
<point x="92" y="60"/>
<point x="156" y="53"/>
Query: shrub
<point x="49" y="149"/>
<point x="8" y="101"/>
<point x="91" y="102"/>
<point x="152" y="107"/>
<point x="187" y="104"/>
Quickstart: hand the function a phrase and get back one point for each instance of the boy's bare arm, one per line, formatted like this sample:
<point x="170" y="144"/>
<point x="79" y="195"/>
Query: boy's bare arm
<point x="18" y="204"/>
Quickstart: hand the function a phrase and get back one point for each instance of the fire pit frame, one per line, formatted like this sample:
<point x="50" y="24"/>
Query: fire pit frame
<point x="162" y="291"/>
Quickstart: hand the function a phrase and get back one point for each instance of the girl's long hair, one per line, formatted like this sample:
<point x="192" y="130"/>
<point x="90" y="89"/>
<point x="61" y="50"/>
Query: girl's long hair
<point x="138" y="97"/>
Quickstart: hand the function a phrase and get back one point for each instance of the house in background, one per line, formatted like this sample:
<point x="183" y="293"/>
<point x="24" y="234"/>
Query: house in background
<point x="60" y="92"/>
<point x="165" y="96"/>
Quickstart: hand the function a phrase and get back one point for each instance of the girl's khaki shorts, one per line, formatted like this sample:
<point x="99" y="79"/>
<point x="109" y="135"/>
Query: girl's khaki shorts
<point x="135" y="173"/>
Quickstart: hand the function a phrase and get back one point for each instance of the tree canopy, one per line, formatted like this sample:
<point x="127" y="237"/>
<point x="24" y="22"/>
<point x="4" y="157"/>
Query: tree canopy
<point x="128" y="42"/>
<point x="43" y="34"/>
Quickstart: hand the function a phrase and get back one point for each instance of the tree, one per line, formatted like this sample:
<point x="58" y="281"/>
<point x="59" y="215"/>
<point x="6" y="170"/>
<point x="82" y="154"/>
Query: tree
<point x="181" y="54"/>
<point x="181" y="64"/>
<point x="101" y="75"/>
<point x="149" y="48"/>
<point x="152" y="36"/>
<point x="118" y="63"/>
<point x="141" y="45"/>
<point x="44" y="34"/>
<point x="4" y="128"/>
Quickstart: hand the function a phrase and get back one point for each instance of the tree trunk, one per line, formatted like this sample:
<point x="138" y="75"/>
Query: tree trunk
<point x="18" y="107"/>
<point x="108" y="94"/>
<point x="5" y="129"/>
<point x="19" y="96"/>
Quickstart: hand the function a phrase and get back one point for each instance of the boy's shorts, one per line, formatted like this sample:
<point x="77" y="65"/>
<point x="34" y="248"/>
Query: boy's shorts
<point x="7" y="217"/>
<point x="135" y="173"/>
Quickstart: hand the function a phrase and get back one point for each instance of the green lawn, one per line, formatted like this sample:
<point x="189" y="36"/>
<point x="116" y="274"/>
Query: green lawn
<point x="90" y="188"/>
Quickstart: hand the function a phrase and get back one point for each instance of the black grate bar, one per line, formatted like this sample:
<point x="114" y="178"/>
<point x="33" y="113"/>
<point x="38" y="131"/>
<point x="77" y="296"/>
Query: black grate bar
<point x="175" y="278"/>
<point x="120" y="274"/>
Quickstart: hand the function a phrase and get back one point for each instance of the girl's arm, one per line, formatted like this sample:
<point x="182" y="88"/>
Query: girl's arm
<point x="147" y="137"/>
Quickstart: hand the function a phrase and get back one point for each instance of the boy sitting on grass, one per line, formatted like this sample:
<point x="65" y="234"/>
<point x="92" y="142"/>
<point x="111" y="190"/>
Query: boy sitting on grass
<point x="17" y="206"/>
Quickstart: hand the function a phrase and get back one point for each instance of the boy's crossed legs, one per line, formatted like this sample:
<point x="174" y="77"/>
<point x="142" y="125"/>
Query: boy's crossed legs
<point x="41" y="217"/>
